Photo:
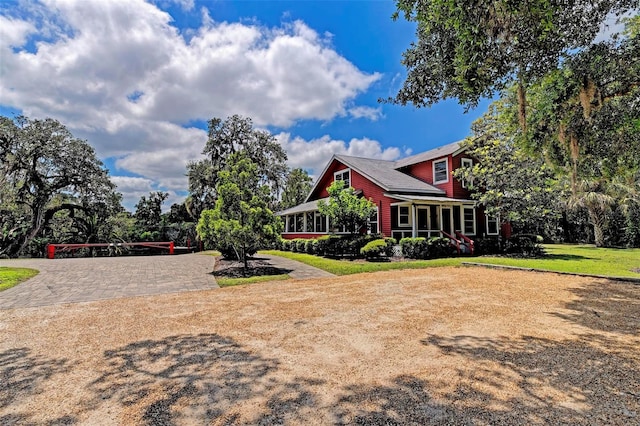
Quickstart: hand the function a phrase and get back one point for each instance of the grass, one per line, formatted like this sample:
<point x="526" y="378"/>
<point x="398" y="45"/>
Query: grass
<point x="213" y="253"/>
<point x="572" y="258"/>
<point x="229" y="282"/>
<point x="346" y="267"/>
<point x="580" y="259"/>
<point x="10" y="277"/>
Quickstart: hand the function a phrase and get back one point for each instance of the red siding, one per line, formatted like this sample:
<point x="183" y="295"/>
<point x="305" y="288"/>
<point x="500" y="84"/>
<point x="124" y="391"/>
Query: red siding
<point x="326" y="180"/>
<point x="375" y="193"/>
<point x="458" y="191"/>
<point x="293" y="235"/>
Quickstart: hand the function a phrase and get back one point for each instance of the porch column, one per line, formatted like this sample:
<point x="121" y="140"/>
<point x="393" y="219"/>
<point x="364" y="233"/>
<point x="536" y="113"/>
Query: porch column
<point x="440" y="218"/>
<point x="414" y="222"/>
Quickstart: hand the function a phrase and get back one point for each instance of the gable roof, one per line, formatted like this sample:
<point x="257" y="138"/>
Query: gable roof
<point x="383" y="173"/>
<point x="441" y="151"/>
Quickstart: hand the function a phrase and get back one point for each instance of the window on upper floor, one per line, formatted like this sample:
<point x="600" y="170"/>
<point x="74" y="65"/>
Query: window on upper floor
<point x="343" y="175"/>
<point x="467" y="163"/>
<point x="440" y="171"/>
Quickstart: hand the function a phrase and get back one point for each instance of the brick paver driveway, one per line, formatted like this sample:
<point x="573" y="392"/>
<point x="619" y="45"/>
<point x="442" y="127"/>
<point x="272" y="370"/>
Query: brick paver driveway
<point x="89" y="279"/>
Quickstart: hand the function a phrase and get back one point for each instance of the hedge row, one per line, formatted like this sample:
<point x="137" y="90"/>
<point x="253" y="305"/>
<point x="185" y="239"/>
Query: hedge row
<point x="423" y="248"/>
<point x="334" y="245"/>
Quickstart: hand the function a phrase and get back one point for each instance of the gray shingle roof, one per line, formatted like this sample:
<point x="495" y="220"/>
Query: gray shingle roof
<point x="432" y="154"/>
<point x="384" y="174"/>
<point x="300" y="208"/>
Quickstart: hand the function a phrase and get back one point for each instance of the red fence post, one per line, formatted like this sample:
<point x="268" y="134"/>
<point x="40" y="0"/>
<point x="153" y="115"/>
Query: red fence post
<point x="171" y="247"/>
<point x="51" y="251"/>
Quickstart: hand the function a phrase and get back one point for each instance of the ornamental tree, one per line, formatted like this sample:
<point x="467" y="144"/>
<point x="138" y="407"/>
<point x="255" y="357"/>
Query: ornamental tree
<point x="241" y="222"/>
<point x="345" y="208"/>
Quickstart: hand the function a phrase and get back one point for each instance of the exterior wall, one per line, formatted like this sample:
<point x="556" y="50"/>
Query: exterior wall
<point x="327" y="179"/>
<point x="294" y="235"/>
<point x="457" y="191"/>
<point x="424" y="172"/>
<point x="373" y="191"/>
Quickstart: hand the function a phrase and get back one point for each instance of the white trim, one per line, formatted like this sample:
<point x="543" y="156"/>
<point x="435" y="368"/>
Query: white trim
<point x="469" y="163"/>
<point x="408" y="206"/>
<point x="464" y="230"/>
<point x="433" y="167"/>
<point x="341" y="173"/>
<point x="497" y="219"/>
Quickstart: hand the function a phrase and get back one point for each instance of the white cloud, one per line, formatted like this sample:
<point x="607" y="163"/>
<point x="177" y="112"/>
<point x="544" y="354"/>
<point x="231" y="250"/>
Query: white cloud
<point x="121" y="75"/>
<point x="313" y="155"/>
<point x="373" y="114"/>
<point x="132" y="188"/>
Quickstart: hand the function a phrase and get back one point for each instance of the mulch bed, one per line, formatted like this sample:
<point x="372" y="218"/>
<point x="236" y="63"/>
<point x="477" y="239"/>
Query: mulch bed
<point x="226" y="268"/>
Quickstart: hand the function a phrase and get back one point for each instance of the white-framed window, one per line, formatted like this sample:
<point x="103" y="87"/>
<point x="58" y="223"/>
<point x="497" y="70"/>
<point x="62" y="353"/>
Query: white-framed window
<point x="291" y="223"/>
<point x="469" y="220"/>
<point x="343" y="175"/>
<point x="321" y="222"/>
<point x="308" y="223"/>
<point x="440" y="171"/>
<point x="493" y="225"/>
<point x="466" y="163"/>
<point x="373" y="223"/>
<point x="403" y="215"/>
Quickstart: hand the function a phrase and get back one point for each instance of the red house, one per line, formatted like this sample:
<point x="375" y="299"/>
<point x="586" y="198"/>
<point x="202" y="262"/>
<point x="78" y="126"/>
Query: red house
<point x="416" y="197"/>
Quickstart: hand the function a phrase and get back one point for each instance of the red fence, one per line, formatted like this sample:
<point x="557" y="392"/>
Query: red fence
<point x="51" y="248"/>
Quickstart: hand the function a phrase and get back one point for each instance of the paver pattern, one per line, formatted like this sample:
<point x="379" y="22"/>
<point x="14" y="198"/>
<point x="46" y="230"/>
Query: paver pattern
<point x="89" y="279"/>
<point x="299" y="270"/>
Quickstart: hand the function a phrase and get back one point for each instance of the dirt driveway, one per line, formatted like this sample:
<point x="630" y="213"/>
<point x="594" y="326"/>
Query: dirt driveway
<point x="438" y="346"/>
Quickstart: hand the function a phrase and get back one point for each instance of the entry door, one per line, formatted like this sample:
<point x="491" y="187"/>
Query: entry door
<point x="423" y="219"/>
<point x="446" y="219"/>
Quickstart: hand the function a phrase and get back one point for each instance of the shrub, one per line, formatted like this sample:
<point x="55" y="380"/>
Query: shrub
<point x="439" y="247"/>
<point x="374" y="249"/>
<point x="524" y="245"/>
<point x="486" y="246"/>
<point x="310" y="246"/>
<point x="286" y="245"/>
<point x="414" y="248"/>
<point x="322" y="244"/>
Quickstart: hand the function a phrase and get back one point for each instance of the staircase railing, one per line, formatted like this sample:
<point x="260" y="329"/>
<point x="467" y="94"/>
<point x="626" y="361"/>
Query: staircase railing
<point x="454" y="241"/>
<point x="467" y="240"/>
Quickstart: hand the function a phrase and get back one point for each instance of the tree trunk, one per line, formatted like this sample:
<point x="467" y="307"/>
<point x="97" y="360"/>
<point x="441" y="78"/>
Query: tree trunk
<point x="522" y="106"/>
<point x="598" y="222"/>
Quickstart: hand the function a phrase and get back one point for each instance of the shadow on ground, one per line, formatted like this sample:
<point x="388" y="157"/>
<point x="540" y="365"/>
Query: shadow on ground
<point x="22" y="376"/>
<point x="613" y="307"/>
<point x="258" y="266"/>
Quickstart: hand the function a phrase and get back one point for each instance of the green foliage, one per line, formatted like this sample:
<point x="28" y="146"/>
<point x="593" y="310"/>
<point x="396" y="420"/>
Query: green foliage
<point x="226" y="138"/>
<point x="149" y="219"/>
<point x="423" y="248"/>
<point x="241" y="222"/>
<point x="296" y="188"/>
<point x="10" y="277"/>
<point x="382" y="247"/>
<point x="414" y="248"/>
<point x="506" y="179"/>
<point x="46" y="173"/>
<point x="345" y="208"/>
<point x="471" y="49"/>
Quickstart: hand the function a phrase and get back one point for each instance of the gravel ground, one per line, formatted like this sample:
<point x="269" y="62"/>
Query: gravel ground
<point x="438" y="346"/>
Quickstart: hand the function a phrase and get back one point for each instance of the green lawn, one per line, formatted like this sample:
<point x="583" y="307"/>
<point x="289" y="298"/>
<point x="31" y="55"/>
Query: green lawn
<point x="346" y="267"/>
<point x="10" y="277"/>
<point x="228" y="282"/>
<point x="583" y="259"/>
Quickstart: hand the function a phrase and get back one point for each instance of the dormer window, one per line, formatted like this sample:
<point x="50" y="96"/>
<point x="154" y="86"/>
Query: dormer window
<point x="343" y="175"/>
<point x="440" y="171"/>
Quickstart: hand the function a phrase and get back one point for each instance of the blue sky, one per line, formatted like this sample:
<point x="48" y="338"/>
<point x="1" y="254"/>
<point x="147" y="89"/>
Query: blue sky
<point x="139" y="79"/>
